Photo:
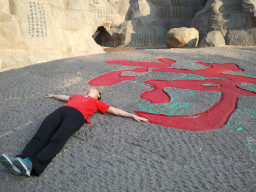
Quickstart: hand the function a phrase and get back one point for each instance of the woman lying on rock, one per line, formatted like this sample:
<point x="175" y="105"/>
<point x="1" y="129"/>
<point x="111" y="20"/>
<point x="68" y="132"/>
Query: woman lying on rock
<point x="56" y="129"/>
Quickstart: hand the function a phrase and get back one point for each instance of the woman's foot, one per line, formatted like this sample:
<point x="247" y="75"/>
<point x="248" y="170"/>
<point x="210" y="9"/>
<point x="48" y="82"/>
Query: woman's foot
<point x="24" y="165"/>
<point x="7" y="162"/>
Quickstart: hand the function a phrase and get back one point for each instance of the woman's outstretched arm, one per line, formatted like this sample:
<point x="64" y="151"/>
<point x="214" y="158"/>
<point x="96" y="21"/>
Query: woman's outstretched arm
<point x="59" y="97"/>
<point x="123" y="113"/>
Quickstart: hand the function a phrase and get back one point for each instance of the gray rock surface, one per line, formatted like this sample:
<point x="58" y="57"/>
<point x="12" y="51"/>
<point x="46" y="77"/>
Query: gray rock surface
<point x="148" y="21"/>
<point x="117" y="154"/>
<point x="212" y="39"/>
<point x="242" y="37"/>
<point x="225" y="15"/>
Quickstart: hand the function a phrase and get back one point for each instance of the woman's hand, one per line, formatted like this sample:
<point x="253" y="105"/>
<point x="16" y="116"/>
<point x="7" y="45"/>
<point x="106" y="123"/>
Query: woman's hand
<point x="49" y="96"/>
<point x="139" y="119"/>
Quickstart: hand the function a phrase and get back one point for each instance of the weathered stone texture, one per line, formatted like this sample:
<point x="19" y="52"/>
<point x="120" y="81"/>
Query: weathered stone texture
<point x="149" y="21"/>
<point x="213" y="39"/>
<point x="245" y="37"/>
<point x="225" y="15"/>
<point x="48" y="30"/>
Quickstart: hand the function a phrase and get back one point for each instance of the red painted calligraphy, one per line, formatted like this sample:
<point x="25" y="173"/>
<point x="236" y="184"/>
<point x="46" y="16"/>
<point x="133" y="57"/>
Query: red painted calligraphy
<point x="213" y="118"/>
<point x="115" y="76"/>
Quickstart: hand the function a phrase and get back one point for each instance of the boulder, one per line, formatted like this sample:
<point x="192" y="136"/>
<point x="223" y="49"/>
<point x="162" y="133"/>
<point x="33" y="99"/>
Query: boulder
<point x="182" y="37"/>
<point x="212" y="39"/>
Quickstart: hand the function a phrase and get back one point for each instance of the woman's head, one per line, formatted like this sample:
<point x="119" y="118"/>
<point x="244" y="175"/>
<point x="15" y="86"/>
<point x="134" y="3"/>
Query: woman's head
<point x="94" y="93"/>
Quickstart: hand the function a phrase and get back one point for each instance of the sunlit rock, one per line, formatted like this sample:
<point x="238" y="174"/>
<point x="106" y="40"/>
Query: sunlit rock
<point x="182" y="37"/>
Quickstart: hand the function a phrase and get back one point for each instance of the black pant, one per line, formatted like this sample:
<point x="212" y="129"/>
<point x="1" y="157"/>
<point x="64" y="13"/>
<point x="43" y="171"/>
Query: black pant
<point x="51" y="137"/>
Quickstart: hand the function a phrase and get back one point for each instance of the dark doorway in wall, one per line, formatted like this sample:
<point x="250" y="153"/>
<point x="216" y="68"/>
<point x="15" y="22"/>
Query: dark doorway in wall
<point x="103" y="38"/>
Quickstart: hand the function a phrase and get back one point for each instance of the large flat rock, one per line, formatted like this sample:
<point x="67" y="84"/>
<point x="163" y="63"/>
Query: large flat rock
<point x="119" y="154"/>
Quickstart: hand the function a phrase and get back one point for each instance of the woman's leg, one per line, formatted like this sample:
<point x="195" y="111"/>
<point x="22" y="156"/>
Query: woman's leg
<point x="72" y="121"/>
<point x="43" y="134"/>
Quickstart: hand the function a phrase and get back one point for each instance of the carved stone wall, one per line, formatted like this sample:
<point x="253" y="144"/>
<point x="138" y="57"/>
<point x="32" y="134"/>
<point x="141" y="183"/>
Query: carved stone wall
<point x="148" y="21"/>
<point x="33" y="31"/>
<point x="225" y="15"/>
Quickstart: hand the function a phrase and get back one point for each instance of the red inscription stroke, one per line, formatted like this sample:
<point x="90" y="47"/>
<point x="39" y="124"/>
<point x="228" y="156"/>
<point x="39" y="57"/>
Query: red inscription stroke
<point x="115" y="76"/>
<point x="213" y="118"/>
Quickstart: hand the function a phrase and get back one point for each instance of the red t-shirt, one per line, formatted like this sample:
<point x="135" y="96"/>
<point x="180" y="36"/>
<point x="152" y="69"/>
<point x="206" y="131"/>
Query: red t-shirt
<point x="87" y="105"/>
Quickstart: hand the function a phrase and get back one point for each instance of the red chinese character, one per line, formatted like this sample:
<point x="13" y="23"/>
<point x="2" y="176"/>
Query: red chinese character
<point x="213" y="118"/>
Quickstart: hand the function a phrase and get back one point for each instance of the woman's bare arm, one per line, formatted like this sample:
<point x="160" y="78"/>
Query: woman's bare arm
<point x="59" y="97"/>
<point x="123" y="113"/>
